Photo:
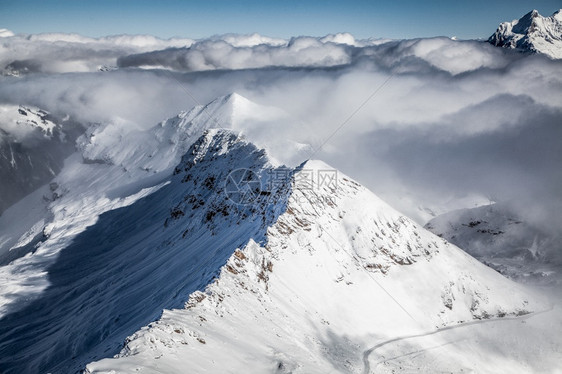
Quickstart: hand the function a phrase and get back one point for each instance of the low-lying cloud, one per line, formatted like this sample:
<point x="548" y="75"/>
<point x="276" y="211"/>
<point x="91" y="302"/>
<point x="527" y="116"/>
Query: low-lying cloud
<point x="449" y="123"/>
<point x="64" y="53"/>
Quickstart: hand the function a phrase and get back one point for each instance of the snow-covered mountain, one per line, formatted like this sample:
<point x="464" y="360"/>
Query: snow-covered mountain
<point x="532" y="33"/>
<point x="33" y="146"/>
<point x="257" y="266"/>
<point x="498" y="236"/>
<point x="333" y="268"/>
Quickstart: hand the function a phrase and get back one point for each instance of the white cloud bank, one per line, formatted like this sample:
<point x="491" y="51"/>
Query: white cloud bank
<point x="456" y="121"/>
<point x="63" y="53"/>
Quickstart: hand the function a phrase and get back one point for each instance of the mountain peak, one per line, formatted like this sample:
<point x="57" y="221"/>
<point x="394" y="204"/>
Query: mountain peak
<point x="267" y="126"/>
<point x="229" y="99"/>
<point x="234" y="96"/>
<point x="532" y="33"/>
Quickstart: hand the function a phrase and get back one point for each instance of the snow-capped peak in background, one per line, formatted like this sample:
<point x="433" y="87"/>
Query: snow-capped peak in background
<point x="266" y="126"/>
<point x="21" y="121"/>
<point x="532" y="33"/>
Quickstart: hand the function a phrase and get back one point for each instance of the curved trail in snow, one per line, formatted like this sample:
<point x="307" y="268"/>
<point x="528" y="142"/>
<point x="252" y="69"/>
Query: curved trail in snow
<point x="367" y="353"/>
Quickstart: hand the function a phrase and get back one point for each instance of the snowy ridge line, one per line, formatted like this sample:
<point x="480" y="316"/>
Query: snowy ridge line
<point x="115" y="164"/>
<point x="289" y="180"/>
<point x="162" y="246"/>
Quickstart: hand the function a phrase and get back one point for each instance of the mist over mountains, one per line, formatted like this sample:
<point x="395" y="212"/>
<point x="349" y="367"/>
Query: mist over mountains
<point x="448" y="93"/>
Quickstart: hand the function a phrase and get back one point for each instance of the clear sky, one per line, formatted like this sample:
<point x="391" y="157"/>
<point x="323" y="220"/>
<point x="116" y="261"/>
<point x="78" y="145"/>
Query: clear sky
<point x="281" y="18"/>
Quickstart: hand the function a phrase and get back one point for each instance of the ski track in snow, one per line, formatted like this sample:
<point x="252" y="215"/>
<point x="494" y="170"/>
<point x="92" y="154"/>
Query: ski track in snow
<point x="367" y="353"/>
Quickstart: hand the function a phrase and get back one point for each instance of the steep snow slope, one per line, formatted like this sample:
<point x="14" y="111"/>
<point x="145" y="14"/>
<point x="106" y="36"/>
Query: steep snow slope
<point x="112" y="168"/>
<point x="499" y="237"/>
<point x="337" y="270"/>
<point x="533" y="33"/>
<point x="33" y="146"/>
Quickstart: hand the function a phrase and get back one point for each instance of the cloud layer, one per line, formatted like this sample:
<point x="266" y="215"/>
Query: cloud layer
<point x="448" y="123"/>
<point x="63" y="53"/>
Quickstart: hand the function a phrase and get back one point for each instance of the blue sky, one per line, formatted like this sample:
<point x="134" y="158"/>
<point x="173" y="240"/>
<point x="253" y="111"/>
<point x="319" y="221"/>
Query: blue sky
<point x="282" y="18"/>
